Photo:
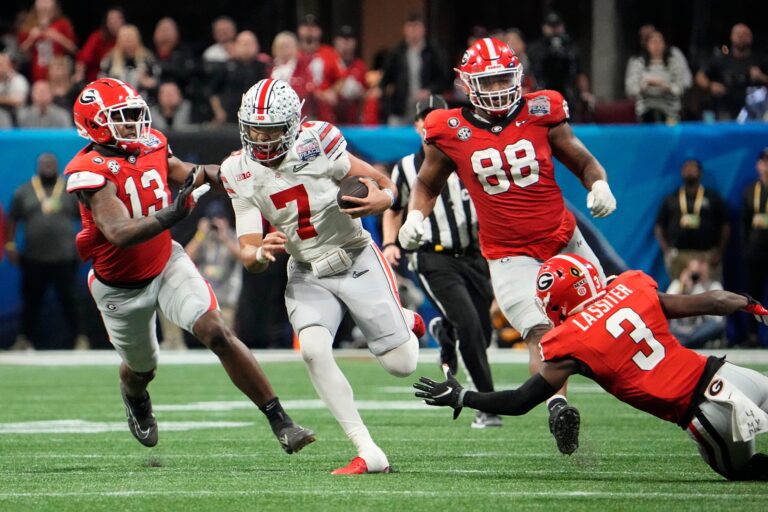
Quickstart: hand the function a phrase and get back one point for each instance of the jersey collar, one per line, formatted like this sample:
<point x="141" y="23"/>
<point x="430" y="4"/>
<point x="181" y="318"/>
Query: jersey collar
<point x="481" y="123"/>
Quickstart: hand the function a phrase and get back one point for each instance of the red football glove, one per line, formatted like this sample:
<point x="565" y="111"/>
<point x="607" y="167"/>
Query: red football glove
<point x="755" y="308"/>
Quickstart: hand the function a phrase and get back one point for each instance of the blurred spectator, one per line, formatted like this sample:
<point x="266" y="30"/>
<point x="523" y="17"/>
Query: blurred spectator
<point x="351" y="88"/>
<point x="130" y="61"/>
<point x="224" y="32"/>
<point x="475" y="33"/>
<point x="514" y="39"/>
<point x="42" y="112"/>
<point x="9" y="39"/>
<point x="237" y="76"/>
<point x="290" y="65"/>
<point x="216" y="252"/>
<point x="413" y="70"/>
<point x="98" y="45"/>
<point x="657" y="79"/>
<point x="556" y="65"/>
<point x="61" y="79"/>
<point x="729" y="73"/>
<point x="13" y="90"/>
<point x="175" y="61"/>
<point x="324" y="67"/>
<point x="754" y="214"/>
<point x="48" y="216"/>
<point x="172" y="111"/>
<point x="695" y="331"/>
<point x="692" y="224"/>
<point x="44" y="34"/>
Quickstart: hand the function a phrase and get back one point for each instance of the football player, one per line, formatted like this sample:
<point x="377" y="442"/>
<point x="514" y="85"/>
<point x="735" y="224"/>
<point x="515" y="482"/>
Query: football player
<point x="619" y="336"/>
<point x="502" y="150"/>
<point x="288" y="173"/>
<point x="122" y="180"/>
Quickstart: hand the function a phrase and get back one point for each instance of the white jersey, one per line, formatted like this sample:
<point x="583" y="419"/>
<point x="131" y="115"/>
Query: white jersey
<point x="299" y="196"/>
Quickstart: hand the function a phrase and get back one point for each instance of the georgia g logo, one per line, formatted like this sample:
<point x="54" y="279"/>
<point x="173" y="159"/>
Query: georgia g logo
<point x="465" y="58"/>
<point x="89" y="96"/>
<point x="545" y="281"/>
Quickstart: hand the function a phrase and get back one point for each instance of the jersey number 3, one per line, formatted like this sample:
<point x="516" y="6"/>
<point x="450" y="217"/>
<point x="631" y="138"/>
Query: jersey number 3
<point x="299" y="194"/>
<point x="640" y="333"/>
<point x="491" y="170"/>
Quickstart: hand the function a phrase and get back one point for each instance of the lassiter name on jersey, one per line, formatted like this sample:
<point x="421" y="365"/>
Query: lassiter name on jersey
<point x="299" y="196"/>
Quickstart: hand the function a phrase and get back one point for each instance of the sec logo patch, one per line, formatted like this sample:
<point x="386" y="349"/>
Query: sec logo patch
<point x="464" y="134"/>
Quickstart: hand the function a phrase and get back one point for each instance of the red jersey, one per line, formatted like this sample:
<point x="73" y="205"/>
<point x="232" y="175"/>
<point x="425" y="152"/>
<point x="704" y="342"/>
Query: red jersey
<point x="625" y="342"/>
<point x="142" y="186"/>
<point x="507" y="169"/>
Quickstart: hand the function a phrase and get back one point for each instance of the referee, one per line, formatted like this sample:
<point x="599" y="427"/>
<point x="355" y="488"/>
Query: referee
<point x="449" y="266"/>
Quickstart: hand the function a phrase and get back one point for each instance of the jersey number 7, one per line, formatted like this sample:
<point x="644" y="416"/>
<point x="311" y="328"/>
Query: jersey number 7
<point x="299" y="194"/>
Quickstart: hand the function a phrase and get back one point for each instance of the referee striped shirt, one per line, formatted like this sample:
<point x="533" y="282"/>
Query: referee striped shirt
<point x="453" y="222"/>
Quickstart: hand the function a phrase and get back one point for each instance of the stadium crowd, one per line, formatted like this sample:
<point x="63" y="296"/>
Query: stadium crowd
<point x="44" y="63"/>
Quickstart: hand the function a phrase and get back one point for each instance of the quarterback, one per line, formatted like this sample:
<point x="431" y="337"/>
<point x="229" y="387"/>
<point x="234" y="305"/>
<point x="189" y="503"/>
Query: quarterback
<point x="121" y="178"/>
<point x="619" y="336"/>
<point x="288" y="173"/>
<point x="502" y="150"/>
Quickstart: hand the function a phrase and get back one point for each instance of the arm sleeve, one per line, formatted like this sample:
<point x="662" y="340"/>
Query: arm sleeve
<point x="398" y="178"/>
<point x="247" y="217"/>
<point x="633" y="77"/>
<point x="513" y="402"/>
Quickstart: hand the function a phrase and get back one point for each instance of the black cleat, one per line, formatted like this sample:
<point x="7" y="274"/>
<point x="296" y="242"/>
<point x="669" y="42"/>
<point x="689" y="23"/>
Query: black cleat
<point x="564" y="421"/>
<point x="445" y="335"/>
<point x="293" y="437"/>
<point x="141" y="420"/>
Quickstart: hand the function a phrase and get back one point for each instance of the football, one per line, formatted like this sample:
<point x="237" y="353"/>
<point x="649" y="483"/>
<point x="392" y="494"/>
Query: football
<point x="351" y="186"/>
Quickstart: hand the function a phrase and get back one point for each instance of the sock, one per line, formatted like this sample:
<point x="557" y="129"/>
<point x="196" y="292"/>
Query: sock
<point x="556" y="401"/>
<point x="410" y="318"/>
<point x="275" y="414"/>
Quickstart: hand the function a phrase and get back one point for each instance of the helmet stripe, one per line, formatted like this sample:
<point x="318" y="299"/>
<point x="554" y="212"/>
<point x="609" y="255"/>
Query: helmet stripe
<point x="263" y="96"/>
<point x="583" y="269"/>
<point x="491" y="49"/>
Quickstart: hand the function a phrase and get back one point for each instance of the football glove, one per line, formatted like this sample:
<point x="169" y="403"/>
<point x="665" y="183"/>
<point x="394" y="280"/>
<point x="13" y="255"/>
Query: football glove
<point x="412" y="231"/>
<point x="447" y="393"/>
<point x="600" y="200"/>
<point x="185" y="201"/>
<point x="755" y="308"/>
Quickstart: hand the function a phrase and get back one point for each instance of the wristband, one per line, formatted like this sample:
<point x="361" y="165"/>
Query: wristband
<point x="462" y="393"/>
<point x="199" y="236"/>
<point x="391" y="195"/>
<point x="390" y="244"/>
<point x="260" y="256"/>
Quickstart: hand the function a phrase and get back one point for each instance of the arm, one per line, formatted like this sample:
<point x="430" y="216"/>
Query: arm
<point x="178" y="171"/>
<point x="390" y="225"/>
<point x="633" y="77"/>
<point x="514" y="402"/>
<point x="378" y="200"/>
<point x="256" y="251"/>
<point x="661" y="237"/>
<point x="10" y="241"/>
<point x="567" y="148"/>
<point x="717" y="302"/>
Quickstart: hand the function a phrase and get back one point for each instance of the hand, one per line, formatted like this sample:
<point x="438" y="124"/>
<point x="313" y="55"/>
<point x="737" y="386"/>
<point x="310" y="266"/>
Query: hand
<point x="273" y="243"/>
<point x="392" y="254"/>
<point x="448" y="393"/>
<point x="600" y="200"/>
<point x="376" y="202"/>
<point x="204" y="225"/>
<point x="717" y="89"/>
<point x="221" y="226"/>
<point x="714" y="258"/>
<point x="412" y="231"/>
<point x="184" y="203"/>
<point x="755" y="308"/>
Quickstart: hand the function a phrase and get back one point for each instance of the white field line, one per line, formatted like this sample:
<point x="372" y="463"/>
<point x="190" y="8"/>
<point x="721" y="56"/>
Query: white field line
<point x="99" y="427"/>
<point x="201" y="356"/>
<point x="390" y="493"/>
<point x="293" y="405"/>
<point x="577" y="388"/>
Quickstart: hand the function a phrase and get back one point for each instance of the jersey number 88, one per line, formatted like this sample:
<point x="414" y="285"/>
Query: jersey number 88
<point x="488" y="164"/>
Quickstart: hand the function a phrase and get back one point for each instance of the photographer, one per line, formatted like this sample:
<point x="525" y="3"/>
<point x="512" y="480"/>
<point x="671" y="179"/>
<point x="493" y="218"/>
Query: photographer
<point x="695" y="331"/>
<point x="555" y="62"/>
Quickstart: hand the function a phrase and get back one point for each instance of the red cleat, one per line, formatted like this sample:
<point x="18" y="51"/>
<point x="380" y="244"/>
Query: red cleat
<point x="419" y="327"/>
<point x="356" y="466"/>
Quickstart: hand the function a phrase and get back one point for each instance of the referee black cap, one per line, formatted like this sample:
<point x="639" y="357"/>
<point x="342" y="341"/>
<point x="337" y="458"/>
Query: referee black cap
<point x="424" y="107"/>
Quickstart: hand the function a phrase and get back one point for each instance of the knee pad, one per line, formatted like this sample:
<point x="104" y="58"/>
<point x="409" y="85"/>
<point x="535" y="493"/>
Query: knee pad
<point x="316" y="342"/>
<point x="401" y="361"/>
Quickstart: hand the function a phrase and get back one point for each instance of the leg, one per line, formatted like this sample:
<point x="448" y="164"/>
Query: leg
<point x="401" y="361"/>
<point x="34" y="282"/>
<point x="64" y="283"/>
<point x="336" y="392"/>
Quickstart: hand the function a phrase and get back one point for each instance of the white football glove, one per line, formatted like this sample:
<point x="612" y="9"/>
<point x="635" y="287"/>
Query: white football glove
<point x="412" y="231"/>
<point x="600" y="200"/>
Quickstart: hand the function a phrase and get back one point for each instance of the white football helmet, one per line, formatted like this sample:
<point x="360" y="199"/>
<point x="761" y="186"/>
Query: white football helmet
<point x="272" y="108"/>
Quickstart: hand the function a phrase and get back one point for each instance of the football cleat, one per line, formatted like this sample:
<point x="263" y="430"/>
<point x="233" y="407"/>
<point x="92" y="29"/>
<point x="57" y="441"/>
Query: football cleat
<point x="356" y="466"/>
<point x="443" y="334"/>
<point x="419" y="328"/>
<point x="485" y="420"/>
<point x="293" y="437"/>
<point x="564" y="421"/>
<point x="141" y="420"/>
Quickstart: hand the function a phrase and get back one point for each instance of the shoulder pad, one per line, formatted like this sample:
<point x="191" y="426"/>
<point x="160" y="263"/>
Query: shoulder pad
<point x="547" y="105"/>
<point x="440" y="122"/>
<point x="85" y="180"/>
<point x="332" y="142"/>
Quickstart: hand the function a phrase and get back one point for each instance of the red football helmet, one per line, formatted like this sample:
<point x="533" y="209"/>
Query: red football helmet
<point x="566" y="283"/>
<point x="492" y="75"/>
<point x="109" y="111"/>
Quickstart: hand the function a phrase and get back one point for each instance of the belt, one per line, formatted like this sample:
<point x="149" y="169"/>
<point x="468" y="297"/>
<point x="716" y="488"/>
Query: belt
<point x="470" y="250"/>
<point x="136" y="285"/>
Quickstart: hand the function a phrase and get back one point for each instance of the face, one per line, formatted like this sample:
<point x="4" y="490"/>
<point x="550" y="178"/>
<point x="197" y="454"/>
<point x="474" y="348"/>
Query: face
<point x="44" y="5"/>
<point x="114" y="21"/>
<point x="345" y="46"/>
<point x="224" y="31"/>
<point x="169" y="95"/>
<point x="41" y="93"/>
<point x="58" y="69"/>
<point x="655" y="45"/>
<point x="246" y="46"/>
<point x="741" y="36"/>
<point x="125" y="122"/>
<point x="515" y="42"/>
<point x="414" y="32"/>
<point x="5" y="64"/>
<point x="128" y="40"/>
<point x="690" y="172"/>
<point x="309" y="36"/>
<point x="47" y="166"/>
<point x="264" y="134"/>
<point x="762" y="169"/>
<point x="285" y="48"/>
<point x="166" y="32"/>
<point x="553" y="30"/>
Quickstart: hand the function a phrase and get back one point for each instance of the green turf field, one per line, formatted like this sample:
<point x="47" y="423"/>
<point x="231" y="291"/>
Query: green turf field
<point x="627" y="460"/>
